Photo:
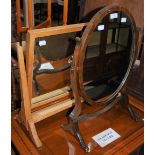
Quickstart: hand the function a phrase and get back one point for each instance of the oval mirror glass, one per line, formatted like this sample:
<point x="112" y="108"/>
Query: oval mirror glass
<point x="107" y="56"/>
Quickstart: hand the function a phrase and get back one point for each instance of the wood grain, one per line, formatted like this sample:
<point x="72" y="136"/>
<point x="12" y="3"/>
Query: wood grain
<point x="44" y="32"/>
<point x="52" y="110"/>
<point x="55" y="140"/>
<point x="65" y="12"/>
<point x="26" y="104"/>
<point x="19" y="138"/>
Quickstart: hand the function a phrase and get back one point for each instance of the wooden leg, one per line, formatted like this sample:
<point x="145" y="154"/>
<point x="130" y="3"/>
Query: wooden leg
<point x="73" y="123"/>
<point x="79" y="137"/>
<point x="34" y="134"/>
<point x="73" y="127"/>
<point x="131" y="111"/>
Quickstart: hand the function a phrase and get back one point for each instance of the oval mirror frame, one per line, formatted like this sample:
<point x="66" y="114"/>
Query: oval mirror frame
<point x="83" y="45"/>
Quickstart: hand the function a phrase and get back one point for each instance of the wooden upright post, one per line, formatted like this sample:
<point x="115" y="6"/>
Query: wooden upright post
<point x="65" y="12"/>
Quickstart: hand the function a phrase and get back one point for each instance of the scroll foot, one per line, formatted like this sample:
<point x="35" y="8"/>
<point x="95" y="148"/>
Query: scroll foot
<point x="73" y="127"/>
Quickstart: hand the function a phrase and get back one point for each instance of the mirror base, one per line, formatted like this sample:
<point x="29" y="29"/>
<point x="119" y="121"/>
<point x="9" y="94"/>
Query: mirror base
<point x="73" y="123"/>
<point x="73" y="127"/>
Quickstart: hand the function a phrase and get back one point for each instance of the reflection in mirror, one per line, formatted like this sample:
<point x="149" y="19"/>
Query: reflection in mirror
<point x="107" y="56"/>
<point x="51" y="67"/>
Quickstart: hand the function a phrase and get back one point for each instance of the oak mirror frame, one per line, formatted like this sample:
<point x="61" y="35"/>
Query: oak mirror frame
<point x="32" y="35"/>
<point x="34" y="110"/>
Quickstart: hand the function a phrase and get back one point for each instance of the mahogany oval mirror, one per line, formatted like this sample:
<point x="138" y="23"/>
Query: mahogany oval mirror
<point x="106" y="55"/>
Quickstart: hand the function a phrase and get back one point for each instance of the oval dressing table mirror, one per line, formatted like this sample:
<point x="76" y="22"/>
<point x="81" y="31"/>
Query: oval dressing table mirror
<point x="102" y="61"/>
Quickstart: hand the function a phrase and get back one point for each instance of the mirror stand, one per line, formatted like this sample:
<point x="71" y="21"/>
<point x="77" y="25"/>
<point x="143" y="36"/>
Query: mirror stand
<point x="77" y="81"/>
<point x="37" y="108"/>
<point x="75" y="116"/>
